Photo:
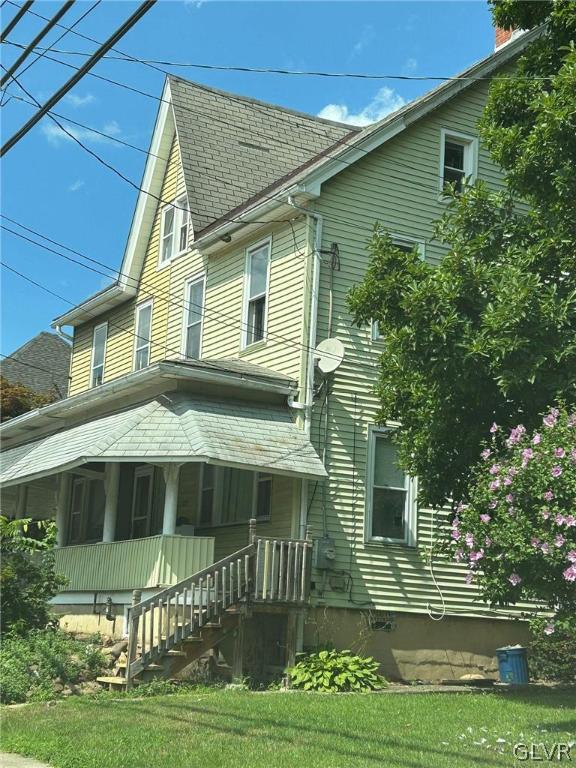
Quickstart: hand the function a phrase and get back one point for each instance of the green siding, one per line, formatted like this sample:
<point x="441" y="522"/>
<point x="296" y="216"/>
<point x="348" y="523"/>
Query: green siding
<point x="397" y="185"/>
<point x="133" y="564"/>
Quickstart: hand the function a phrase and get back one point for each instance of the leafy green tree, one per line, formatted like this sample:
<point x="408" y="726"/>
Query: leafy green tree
<point x="16" y="399"/>
<point x="489" y="335"/>
<point x="27" y="576"/>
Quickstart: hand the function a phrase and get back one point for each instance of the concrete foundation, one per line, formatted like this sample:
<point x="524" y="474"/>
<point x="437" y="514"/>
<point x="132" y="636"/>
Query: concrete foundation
<point x="413" y="646"/>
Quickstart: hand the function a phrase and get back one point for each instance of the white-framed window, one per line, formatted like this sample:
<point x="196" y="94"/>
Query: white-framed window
<point x="193" y="316"/>
<point x="458" y="159"/>
<point x="256" y="292"/>
<point x="143" y="332"/>
<point x="142" y="502"/>
<point x="175" y="229"/>
<point x="99" y="338"/>
<point x="390" y="493"/>
<point x="229" y="495"/>
<point x="406" y="244"/>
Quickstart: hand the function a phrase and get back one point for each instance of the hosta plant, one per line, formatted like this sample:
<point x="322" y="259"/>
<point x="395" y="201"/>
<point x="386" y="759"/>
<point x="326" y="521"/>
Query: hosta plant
<point x="336" y="671"/>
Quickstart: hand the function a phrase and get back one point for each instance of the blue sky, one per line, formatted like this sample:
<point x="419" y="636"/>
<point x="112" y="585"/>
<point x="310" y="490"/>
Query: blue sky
<point x="51" y="185"/>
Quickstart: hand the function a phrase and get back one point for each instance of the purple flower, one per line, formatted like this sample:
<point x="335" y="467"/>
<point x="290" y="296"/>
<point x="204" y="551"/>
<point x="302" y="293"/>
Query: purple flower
<point x="537" y="438"/>
<point x="509" y="498"/>
<point x="548" y="496"/>
<point x="535" y="542"/>
<point x="485" y="518"/>
<point x="559" y="519"/>
<point x="486" y="453"/>
<point x="494" y="469"/>
<point x="514" y="579"/>
<point x="556" y="471"/>
<point x="527" y="454"/>
<point x="570" y="521"/>
<point x="469" y="539"/>
<point x="550" y="419"/>
<point x="493" y="504"/>
<point x="572" y="556"/>
<point x="455" y="534"/>
<point x="475" y="556"/>
<point x="516" y="435"/>
<point x="559" y="453"/>
<point x="459" y="555"/>
<point x="512" y="471"/>
<point x="507" y="481"/>
<point x="559" y="541"/>
<point x="549" y="628"/>
<point x="545" y="548"/>
<point x="545" y="514"/>
<point x="494" y="428"/>
<point x="495" y="484"/>
<point x="488" y="541"/>
<point x="572" y="420"/>
<point x="570" y="573"/>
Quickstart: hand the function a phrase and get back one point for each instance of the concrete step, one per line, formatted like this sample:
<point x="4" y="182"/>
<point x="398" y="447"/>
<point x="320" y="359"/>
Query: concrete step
<point x="112" y="681"/>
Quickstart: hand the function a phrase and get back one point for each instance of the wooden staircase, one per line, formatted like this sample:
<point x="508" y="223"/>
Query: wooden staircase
<point x="179" y="625"/>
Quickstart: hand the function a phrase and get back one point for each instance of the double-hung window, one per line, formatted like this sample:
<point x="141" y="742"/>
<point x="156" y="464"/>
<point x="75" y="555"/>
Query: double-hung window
<point x="98" y="354"/>
<point x="229" y="495"/>
<point x="142" y="341"/>
<point x="256" y="293"/>
<point x="404" y="244"/>
<point x="458" y="159"/>
<point x="142" y="501"/>
<point x="390" y="500"/>
<point x="175" y="229"/>
<point x="193" y="315"/>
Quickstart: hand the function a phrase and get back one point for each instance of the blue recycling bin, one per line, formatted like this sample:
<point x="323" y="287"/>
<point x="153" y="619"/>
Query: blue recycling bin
<point x="513" y="665"/>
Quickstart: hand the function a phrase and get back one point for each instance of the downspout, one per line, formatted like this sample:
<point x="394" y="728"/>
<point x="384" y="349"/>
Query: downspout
<point x="62" y="334"/>
<point x="313" y="326"/>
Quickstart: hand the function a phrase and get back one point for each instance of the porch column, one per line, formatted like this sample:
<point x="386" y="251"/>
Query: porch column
<point x="62" y="508"/>
<point x="171" y="477"/>
<point x="21" y="501"/>
<point x="111" y="485"/>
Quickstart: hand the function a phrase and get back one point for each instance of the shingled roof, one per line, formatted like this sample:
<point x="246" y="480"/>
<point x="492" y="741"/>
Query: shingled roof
<point x="233" y="147"/>
<point x="41" y="364"/>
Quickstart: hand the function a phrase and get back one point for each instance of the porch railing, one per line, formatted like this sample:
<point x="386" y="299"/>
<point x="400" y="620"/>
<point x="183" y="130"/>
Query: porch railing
<point x="265" y="571"/>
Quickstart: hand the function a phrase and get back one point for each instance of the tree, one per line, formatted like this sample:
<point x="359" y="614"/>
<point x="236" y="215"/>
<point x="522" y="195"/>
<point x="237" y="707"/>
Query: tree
<point x="27" y="576"/>
<point x="16" y="399"/>
<point x="490" y="334"/>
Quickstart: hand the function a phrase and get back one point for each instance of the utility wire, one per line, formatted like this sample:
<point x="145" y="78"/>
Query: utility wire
<point x="32" y="44"/>
<point x="28" y="365"/>
<point x="95" y="57"/>
<point x="12" y="23"/>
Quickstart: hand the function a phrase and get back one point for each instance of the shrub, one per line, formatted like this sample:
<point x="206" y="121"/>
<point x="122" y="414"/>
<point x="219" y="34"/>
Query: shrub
<point x="336" y="671"/>
<point x="552" y="656"/>
<point x="38" y="666"/>
<point x="27" y="576"/>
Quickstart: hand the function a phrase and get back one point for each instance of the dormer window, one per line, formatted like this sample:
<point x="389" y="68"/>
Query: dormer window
<point x="175" y="230"/>
<point x="458" y="159"/>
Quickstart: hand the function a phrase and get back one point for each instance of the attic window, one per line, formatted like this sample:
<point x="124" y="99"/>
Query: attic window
<point x="458" y="160"/>
<point x="175" y="229"/>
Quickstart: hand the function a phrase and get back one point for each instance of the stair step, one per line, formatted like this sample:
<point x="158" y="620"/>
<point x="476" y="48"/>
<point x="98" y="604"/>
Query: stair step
<point x="122" y="665"/>
<point x="107" y="680"/>
<point x="177" y="654"/>
<point x="212" y="625"/>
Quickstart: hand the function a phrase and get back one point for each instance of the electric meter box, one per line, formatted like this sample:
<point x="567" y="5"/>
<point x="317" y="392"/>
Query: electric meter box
<point x="325" y="553"/>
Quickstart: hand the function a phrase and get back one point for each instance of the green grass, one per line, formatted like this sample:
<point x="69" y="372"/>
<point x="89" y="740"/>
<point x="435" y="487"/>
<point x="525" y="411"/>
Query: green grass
<point x="211" y="728"/>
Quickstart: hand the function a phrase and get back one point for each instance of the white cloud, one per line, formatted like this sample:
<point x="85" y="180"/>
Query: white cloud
<point x="367" y="36"/>
<point x="384" y="102"/>
<point x="80" y="101"/>
<point x="410" y="66"/>
<point x="55" y="134"/>
<point x="77" y="185"/>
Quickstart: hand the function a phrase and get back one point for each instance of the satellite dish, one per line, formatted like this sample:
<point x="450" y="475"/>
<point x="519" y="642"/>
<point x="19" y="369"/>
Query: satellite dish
<point x="329" y="354"/>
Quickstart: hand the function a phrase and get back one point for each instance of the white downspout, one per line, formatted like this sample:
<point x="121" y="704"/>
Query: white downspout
<point x="309" y="394"/>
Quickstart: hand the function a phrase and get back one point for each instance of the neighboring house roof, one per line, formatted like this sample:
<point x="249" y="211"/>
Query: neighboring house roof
<point x="174" y="427"/>
<point x="232" y="147"/>
<point x="41" y="364"/>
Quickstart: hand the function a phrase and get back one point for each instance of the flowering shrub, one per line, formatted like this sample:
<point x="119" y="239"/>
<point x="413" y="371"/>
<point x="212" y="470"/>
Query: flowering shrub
<point x="517" y="533"/>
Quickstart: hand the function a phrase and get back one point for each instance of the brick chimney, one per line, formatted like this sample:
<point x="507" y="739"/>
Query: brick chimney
<point x="502" y="36"/>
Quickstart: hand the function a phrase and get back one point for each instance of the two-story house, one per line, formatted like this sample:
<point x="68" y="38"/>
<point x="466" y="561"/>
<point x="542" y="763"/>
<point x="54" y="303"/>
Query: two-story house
<point x="198" y="400"/>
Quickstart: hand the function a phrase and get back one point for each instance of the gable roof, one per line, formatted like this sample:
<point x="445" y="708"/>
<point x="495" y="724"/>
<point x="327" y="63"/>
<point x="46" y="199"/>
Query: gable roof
<point x="41" y="364"/>
<point x="232" y="147"/>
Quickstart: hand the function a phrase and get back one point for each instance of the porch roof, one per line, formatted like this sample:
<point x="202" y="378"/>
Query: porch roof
<point x="173" y="428"/>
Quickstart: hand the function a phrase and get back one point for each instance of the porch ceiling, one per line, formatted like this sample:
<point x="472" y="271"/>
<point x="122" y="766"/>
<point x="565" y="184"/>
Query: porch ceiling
<point x="173" y="428"/>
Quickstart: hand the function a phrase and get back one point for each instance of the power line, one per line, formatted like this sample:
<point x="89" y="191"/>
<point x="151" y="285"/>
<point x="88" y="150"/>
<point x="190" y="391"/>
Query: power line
<point x="94" y="58"/>
<point x="29" y="365"/>
<point x="32" y="44"/>
<point x="12" y="23"/>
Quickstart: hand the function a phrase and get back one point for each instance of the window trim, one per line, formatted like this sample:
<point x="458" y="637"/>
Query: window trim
<point x="142" y="471"/>
<point x="217" y="497"/>
<point x="196" y="278"/>
<point x="94" y="330"/>
<point x="399" y="240"/>
<point x="410" y="510"/>
<point x="138" y="309"/>
<point x="177" y="205"/>
<point x="267" y="241"/>
<point x="470" y="144"/>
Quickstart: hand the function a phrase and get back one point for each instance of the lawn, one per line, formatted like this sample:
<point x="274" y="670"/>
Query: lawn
<point x="214" y="727"/>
